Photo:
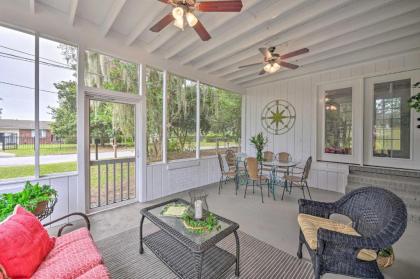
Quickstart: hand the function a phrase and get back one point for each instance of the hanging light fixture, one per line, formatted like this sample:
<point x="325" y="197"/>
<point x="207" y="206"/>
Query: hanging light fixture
<point x="178" y="14"/>
<point x="191" y="19"/>
<point x="271" y="68"/>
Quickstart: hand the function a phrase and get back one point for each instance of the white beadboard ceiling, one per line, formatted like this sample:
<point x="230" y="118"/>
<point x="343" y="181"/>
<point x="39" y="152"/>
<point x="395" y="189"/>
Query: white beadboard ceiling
<point x="337" y="32"/>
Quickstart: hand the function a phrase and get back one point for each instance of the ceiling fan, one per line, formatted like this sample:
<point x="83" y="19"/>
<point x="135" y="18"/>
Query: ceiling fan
<point x="185" y="9"/>
<point x="274" y="61"/>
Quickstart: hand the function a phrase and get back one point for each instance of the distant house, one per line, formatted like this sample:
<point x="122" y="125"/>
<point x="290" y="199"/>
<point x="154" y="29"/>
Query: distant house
<point x="23" y="131"/>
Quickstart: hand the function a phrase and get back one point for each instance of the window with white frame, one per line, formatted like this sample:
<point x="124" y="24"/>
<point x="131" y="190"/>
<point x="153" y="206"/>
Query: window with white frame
<point x="154" y="104"/>
<point x="220" y="120"/>
<point x="390" y="137"/>
<point x="339" y="122"/>
<point x="56" y="110"/>
<point x="392" y="119"/>
<point x="338" y="132"/>
<point x="182" y="122"/>
<point x="110" y="73"/>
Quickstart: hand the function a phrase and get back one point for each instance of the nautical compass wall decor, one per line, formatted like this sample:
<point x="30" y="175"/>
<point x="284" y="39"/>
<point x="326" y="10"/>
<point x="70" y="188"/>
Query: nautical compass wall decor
<point x="278" y="117"/>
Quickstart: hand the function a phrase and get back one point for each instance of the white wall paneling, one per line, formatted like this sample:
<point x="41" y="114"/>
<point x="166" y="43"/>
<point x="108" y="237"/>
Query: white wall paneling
<point x="301" y="91"/>
<point x="166" y="179"/>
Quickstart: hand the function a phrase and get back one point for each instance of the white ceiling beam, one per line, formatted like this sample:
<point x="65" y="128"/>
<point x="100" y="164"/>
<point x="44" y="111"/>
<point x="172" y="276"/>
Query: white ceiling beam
<point x="210" y="22"/>
<point x="73" y="10"/>
<point x="286" y="31"/>
<point x="363" y="55"/>
<point x="248" y="22"/>
<point x="363" y="43"/>
<point x="184" y="40"/>
<point x="112" y="15"/>
<point x="341" y="34"/>
<point x="32" y="6"/>
<point x="145" y="21"/>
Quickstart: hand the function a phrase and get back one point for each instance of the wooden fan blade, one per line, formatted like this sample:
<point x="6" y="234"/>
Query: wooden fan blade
<point x="219" y="6"/>
<point x="201" y="31"/>
<point x="294" y="53"/>
<point x="249" y="65"/>
<point x="265" y="52"/>
<point x="262" y="72"/>
<point x="288" y="65"/>
<point x="163" y="23"/>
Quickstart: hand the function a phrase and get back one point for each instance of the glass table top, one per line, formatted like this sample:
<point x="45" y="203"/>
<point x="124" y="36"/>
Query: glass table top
<point x="178" y="225"/>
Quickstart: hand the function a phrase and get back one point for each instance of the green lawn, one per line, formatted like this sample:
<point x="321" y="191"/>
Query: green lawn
<point x="29" y="170"/>
<point x="25" y="150"/>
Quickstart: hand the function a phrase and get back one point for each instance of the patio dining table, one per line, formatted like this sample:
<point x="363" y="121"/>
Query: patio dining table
<point x="273" y="165"/>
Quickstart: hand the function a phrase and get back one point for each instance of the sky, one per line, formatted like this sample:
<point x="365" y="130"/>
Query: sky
<point x="18" y="102"/>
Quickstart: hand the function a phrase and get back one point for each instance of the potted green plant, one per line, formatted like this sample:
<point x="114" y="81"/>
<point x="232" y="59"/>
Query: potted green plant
<point x="386" y="257"/>
<point x="34" y="197"/>
<point x="259" y="142"/>
<point x="414" y="101"/>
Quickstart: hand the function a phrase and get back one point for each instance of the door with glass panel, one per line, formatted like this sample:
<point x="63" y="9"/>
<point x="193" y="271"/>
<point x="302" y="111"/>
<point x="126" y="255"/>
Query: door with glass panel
<point x="389" y="129"/>
<point x="112" y="162"/>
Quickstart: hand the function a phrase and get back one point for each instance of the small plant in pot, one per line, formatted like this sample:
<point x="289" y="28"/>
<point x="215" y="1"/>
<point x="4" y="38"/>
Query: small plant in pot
<point x="259" y="142"/>
<point x="386" y="257"/>
<point x="414" y="101"/>
<point x="34" y="197"/>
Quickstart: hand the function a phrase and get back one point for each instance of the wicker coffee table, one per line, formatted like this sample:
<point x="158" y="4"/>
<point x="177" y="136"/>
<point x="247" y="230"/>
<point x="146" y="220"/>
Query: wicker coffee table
<point x="187" y="254"/>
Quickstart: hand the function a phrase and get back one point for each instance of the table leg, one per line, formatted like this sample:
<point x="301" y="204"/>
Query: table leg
<point x="198" y="264"/>
<point x="237" y="253"/>
<point x="285" y="183"/>
<point x="141" y="235"/>
<point x="237" y="178"/>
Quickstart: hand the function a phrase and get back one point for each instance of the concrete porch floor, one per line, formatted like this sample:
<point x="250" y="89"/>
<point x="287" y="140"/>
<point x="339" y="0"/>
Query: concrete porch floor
<point x="273" y="222"/>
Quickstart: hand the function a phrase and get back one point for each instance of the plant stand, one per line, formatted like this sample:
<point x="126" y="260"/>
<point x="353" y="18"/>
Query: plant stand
<point x="45" y="209"/>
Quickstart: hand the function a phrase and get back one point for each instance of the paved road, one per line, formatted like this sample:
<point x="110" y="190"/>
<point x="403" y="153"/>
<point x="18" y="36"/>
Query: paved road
<point x="51" y="159"/>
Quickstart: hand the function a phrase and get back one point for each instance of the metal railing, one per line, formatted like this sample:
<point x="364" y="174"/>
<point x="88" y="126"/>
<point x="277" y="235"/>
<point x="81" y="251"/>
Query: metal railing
<point x="14" y="142"/>
<point x="112" y="181"/>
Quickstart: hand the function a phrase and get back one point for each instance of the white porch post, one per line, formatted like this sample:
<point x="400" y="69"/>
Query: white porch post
<point x="164" y="118"/>
<point x="197" y="133"/>
<point x="82" y="136"/>
<point x="36" y="143"/>
<point x="141" y="142"/>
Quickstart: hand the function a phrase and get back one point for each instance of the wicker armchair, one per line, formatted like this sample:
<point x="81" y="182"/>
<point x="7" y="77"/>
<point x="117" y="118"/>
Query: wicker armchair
<point x="378" y="216"/>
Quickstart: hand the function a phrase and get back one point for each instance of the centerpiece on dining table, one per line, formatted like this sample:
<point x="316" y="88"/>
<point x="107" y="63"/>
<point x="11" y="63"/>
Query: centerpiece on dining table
<point x="195" y="217"/>
<point x="259" y="142"/>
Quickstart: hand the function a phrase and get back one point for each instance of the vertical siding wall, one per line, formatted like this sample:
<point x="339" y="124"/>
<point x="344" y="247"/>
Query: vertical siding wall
<point x="301" y="92"/>
<point x="166" y="179"/>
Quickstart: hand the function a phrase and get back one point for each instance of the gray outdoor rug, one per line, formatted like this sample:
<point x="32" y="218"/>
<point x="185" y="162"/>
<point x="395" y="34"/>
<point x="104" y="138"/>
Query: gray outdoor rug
<point x="257" y="259"/>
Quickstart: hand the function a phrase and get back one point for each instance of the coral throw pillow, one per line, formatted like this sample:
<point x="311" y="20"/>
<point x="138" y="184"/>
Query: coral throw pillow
<point x="24" y="244"/>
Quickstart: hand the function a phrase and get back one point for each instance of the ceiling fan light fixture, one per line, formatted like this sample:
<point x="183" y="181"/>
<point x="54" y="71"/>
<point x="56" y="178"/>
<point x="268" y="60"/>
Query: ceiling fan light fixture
<point x="178" y="13"/>
<point x="179" y="22"/>
<point x="271" y="68"/>
<point x="191" y="19"/>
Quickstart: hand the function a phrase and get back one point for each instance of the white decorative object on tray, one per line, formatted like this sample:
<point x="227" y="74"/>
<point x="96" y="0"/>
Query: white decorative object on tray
<point x="198" y="213"/>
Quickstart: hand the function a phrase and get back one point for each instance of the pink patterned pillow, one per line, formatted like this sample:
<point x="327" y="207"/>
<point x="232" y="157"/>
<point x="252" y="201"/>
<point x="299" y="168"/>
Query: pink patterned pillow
<point x="24" y="243"/>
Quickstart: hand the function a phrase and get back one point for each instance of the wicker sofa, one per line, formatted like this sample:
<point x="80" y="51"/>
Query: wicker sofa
<point x="379" y="218"/>
<point x="74" y="255"/>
